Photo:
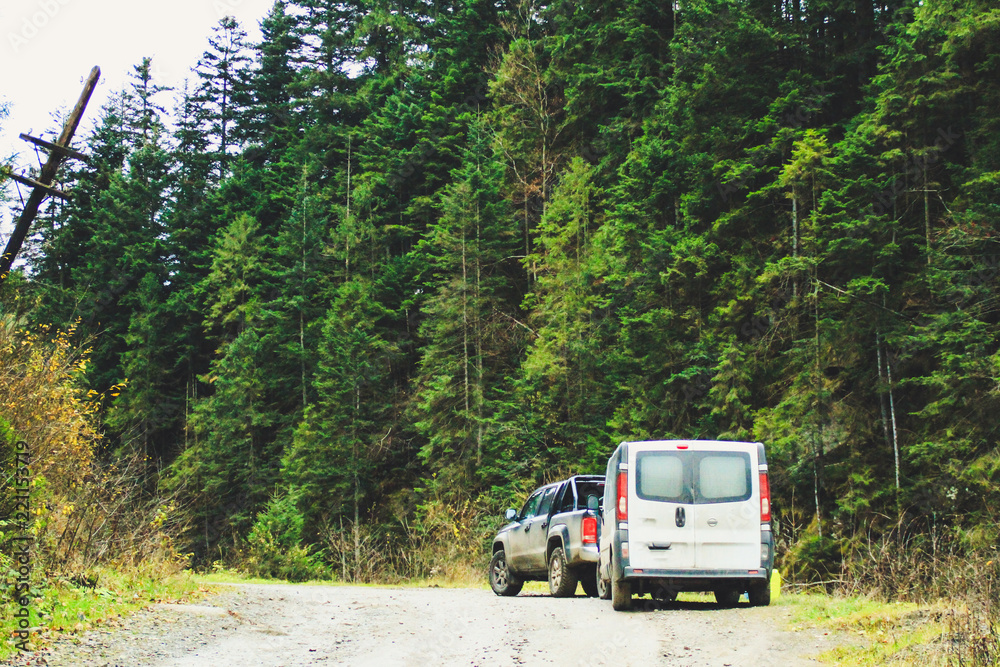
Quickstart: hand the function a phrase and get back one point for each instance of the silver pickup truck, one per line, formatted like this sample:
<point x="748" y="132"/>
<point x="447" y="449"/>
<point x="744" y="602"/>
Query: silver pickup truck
<point x="553" y="537"/>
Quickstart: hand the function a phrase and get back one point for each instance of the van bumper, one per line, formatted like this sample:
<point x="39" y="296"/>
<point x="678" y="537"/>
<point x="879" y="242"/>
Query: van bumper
<point x="714" y="575"/>
<point x="671" y="582"/>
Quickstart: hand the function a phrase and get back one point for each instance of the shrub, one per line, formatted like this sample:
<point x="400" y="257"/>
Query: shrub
<point x="274" y="546"/>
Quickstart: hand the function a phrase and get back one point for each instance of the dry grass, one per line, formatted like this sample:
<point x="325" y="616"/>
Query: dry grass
<point x="956" y="584"/>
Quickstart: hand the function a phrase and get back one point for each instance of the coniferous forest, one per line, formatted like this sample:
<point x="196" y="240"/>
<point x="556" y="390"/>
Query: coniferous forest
<point x="361" y="286"/>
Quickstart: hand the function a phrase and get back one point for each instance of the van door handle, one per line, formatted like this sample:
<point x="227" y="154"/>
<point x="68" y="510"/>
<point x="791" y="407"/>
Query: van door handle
<point x="679" y="517"/>
<point x="653" y="546"/>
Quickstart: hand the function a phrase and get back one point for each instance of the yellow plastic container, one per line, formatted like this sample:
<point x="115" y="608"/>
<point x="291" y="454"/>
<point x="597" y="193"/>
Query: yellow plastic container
<point x="775" y="585"/>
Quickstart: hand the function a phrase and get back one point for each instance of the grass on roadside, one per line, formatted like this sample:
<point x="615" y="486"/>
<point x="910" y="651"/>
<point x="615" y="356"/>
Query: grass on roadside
<point x="100" y="599"/>
<point x="875" y="633"/>
<point x="465" y="578"/>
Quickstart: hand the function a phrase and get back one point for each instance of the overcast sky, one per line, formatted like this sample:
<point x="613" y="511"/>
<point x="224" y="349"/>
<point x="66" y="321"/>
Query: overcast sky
<point x="47" y="48"/>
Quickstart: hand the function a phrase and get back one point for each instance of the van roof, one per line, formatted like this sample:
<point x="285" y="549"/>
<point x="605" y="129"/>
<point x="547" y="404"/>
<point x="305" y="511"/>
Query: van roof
<point x="697" y="443"/>
<point x="697" y="446"/>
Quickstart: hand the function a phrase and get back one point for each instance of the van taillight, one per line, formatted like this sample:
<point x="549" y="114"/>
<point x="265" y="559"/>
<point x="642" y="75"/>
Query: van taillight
<point x="589" y="530"/>
<point x="765" y="499"/>
<point x="621" y="505"/>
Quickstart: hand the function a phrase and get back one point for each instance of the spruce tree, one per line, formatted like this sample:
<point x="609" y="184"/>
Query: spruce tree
<point x="222" y="92"/>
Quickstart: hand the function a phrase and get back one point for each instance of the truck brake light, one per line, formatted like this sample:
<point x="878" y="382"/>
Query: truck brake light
<point x="590" y="530"/>
<point x="621" y="505"/>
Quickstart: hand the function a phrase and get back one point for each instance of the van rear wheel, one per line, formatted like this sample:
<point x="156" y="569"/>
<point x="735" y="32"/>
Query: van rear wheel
<point x="621" y="590"/>
<point x="727" y="597"/>
<point x="621" y="595"/>
<point x="760" y="594"/>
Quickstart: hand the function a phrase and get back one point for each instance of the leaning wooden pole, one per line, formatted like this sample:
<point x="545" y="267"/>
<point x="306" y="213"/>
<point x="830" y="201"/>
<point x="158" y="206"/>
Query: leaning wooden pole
<point x="45" y="177"/>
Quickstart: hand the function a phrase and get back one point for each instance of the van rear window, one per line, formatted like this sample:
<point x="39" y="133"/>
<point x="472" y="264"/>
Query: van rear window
<point x="660" y="476"/>
<point x="724" y="477"/>
<point x="693" y="477"/>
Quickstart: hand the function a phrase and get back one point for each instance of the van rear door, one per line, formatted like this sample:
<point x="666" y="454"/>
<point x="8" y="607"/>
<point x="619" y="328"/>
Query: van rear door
<point x="661" y="526"/>
<point x="693" y="505"/>
<point x="726" y="516"/>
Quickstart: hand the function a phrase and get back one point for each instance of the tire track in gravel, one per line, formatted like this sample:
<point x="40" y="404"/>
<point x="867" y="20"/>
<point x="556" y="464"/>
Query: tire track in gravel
<point x="296" y="625"/>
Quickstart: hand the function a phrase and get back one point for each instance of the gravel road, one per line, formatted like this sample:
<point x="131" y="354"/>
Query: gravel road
<point x="329" y="625"/>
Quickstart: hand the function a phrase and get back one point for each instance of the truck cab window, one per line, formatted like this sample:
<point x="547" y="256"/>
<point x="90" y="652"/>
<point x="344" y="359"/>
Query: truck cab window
<point x="585" y="489"/>
<point x="546" y="502"/>
<point x="530" y="506"/>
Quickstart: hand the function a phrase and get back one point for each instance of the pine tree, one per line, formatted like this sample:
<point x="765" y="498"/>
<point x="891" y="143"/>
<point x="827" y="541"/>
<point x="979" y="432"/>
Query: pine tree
<point x="528" y="117"/>
<point x="222" y="72"/>
<point x="331" y="464"/>
<point x="271" y="119"/>
<point x="229" y="468"/>
<point x="468" y="315"/>
<point x="563" y="361"/>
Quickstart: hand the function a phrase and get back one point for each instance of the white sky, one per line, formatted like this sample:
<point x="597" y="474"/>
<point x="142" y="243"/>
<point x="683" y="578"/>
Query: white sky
<point x="47" y="48"/>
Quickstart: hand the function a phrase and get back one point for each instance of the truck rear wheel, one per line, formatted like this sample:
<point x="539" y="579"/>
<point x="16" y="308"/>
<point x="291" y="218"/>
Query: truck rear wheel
<point x="562" y="580"/>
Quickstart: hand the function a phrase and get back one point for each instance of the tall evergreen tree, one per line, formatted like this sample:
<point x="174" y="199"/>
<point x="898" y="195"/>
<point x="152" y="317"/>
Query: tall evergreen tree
<point x="467" y="315"/>
<point x="222" y="72"/>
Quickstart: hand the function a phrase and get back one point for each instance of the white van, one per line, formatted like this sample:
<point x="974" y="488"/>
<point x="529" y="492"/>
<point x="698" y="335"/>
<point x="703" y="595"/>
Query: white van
<point x="686" y="515"/>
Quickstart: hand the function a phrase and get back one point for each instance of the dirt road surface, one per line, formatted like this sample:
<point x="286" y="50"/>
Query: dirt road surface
<point x="285" y="625"/>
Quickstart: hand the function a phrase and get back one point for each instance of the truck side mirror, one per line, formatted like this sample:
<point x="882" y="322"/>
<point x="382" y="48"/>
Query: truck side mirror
<point x="510" y="514"/>
<point x="592" y="503"/>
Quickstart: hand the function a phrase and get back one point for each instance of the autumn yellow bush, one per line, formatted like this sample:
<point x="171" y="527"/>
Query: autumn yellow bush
<point x="84" y="511"/>
<point x="46" y="407"/>
<point x="71" y="520"/>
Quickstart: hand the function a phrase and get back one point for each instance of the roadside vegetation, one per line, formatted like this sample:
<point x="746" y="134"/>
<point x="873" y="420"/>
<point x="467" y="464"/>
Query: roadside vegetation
<point x="866" y="631"/>
<point x="99" y="539"/>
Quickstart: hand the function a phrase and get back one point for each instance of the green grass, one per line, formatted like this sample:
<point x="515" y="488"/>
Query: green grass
<point x="223" y="576"/>
<point x="868" y="632"/>
<point x="874" y="633"/>
<point x="62" y="606"/>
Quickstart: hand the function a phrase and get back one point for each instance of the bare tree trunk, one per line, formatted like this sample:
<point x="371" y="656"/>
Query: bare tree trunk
<point x="819" y="516"/>
<point x="881" y="394"/>
<point x="357" y="490"/>
<point x="817" y="440"/>
<point x="302" y="324"/>
<point x="479" y="339"/>
<point x="527" y="240"/>
<point x="465" y="325"/>
<point x="795" y="237"/>
<point x="302" y="352"/>
<point x="343" y="556"/>
<point x="892" y="413"/>
<point x="927" y="214"/>
<point x="347" y="253"/>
